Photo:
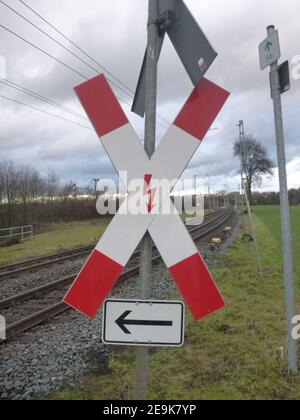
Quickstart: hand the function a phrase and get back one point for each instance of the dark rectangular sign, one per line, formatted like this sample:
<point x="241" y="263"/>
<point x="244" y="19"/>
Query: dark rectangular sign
<point x="190" y="43"/>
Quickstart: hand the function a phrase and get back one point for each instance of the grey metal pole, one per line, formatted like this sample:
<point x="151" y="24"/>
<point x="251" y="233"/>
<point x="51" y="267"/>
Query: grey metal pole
<point x="96" y="180"/>
<point x="150" y="136"/>
<point x="208" y="191"/>
<point x="285" y="213"/>
<point x="252" y="227"/>
<point x="242" y="143"/>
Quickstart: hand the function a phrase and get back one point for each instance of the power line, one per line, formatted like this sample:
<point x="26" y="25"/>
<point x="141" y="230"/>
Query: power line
<point x="57" y="60"/>
<point x="207" y="162"/>
<point x="52" y="57"/>
<point x="44" y="112"/>
<point x="61" y="45"/>
<point x="131" y="93"/>
<point x="41" y="98"/>
<point x="36" y="95"/>
<point x="43" y="51"/>
<point x="75" y="45"/>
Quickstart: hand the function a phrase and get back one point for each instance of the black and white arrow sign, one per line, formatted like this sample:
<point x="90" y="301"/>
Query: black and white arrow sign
<point x="123" y="321"/>
<point x="128" y="322"/>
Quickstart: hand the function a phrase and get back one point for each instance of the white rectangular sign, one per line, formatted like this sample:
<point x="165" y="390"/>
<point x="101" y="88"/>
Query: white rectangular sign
<point x="143" y="323"/>
<point x="269" y="50"/>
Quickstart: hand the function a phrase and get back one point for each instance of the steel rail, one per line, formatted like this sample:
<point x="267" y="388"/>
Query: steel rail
<point x="42" y="262"/>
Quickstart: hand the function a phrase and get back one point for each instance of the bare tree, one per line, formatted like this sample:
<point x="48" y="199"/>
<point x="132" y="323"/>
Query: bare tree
<point x="9" y="187"/>
<point x="53" y="184"/>
<point x="27" y="188"/>
<point x="69" y="191"/>
<point x="27" y="198"/>
<point x="256" y="162"/>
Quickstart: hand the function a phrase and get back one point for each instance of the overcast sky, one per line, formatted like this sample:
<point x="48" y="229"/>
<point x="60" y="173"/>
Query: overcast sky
<point x="114" y="34"/>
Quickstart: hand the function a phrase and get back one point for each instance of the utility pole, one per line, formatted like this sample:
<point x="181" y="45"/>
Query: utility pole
<point x="226" y="195"/>
<point x="195" y="189"/>
<point x="182" y="187"/>
<point x="252" y="228"/>
<point x="142" y="353"/>
<point x="96" y="180"/>
<point x="284" y="210"/>
<point x="242" y="156"/>
<point x="208" y="191"/>
<point x="195" y="184"/>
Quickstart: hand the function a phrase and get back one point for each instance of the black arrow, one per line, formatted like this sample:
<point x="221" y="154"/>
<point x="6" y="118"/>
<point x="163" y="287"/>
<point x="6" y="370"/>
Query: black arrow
<point x="122" y="321"/>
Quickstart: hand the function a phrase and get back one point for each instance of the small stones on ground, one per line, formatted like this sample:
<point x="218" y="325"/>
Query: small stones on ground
<point x="63" y="352"/>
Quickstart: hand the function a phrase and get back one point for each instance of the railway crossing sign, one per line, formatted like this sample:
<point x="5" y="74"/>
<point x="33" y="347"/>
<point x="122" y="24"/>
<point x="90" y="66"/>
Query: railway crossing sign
<point x="126" y="230"/>
<point x="143" y="323"/>
<point x="269" y="50"/>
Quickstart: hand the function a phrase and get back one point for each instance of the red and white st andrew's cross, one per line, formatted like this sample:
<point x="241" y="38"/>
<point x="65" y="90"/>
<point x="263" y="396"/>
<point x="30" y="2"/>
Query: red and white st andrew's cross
<point x="168" y="232"/>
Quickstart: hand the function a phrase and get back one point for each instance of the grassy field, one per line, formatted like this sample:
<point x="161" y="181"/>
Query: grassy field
<point x="59" y="237"/>
<point x="237" y="353"/>
<point x="271" y="218"/>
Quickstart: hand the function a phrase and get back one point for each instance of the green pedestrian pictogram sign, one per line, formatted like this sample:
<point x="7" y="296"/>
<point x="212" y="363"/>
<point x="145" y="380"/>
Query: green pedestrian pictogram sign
<point x="269" y="50"/>
<point x="268" y="46"/>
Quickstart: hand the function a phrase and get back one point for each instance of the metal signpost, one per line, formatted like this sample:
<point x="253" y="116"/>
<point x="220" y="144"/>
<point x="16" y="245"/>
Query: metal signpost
<point x="112" y="253"/>
<point x="242" y="151"/>
<point x="269" y="55"/>
<point x="252" y="228"/>
<point x="190" y="43"/>
<point x="244" y="199"/>
<point x="143" y="323"/>
<point x="150" y="102"/>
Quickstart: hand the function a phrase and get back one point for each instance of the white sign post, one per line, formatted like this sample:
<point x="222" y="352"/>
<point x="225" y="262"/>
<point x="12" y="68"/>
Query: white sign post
<point x="269" y="50"/>
<point x="286" y="234"/>
<point x="143" y="323"/>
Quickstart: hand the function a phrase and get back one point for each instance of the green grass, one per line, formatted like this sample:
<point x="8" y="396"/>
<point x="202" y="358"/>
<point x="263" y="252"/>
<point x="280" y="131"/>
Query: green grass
<point x="271" y="217"/>
<point x="237" y="353"/>
<point x="59" y="237"/>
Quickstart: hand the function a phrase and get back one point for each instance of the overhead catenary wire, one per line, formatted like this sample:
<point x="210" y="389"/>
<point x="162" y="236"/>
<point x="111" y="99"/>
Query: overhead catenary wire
<point x="43" y="51"/>
<point x="61" y="45"/>
<point x="36" y="95"/>
<point x="122" y="88"/>
<point x="75" y="45"/>
<point x="203" y="159"/>
<point x="44" y="111"/>
<point x="71" y="52"/>
<point x="103" y="68"/>
<point x="53" y="57"/>
<point x="58" y="60"/>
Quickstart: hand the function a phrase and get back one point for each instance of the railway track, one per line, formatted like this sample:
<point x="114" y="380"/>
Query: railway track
<point x="25" y="323"/>
<point x="41" y="262"/>
<point x="57" y="258"/>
